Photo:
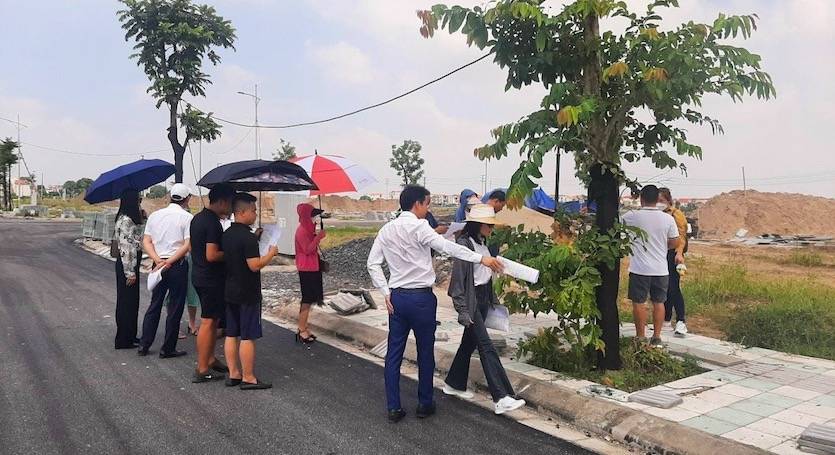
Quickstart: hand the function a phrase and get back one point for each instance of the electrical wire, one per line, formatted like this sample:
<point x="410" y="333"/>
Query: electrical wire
<point x="357" y="111"/>
<point x="52" y="149"/>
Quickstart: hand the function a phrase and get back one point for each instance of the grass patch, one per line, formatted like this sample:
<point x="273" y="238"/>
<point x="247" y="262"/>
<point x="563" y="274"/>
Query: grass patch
<point x="643" y="366"/>
<point x="343" y="234"/>
<point x="804" y="258"/>
<point x="795" y="315"/>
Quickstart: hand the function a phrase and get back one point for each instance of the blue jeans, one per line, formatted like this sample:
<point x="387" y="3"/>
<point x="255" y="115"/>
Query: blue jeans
<point x="174" y="283"/>
<point x="412" y="311"/>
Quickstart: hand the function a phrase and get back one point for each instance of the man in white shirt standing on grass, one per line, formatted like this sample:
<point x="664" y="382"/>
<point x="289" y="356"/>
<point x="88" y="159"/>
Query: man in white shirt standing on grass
<point x="648" y="273"/>
<point x="166" y="241"/>
<point x="406" y="245"/>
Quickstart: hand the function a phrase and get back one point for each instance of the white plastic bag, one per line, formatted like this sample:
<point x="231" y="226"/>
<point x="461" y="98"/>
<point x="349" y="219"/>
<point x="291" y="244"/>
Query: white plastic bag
<point x="498" y="318"/>
<point x="154" y="278"/>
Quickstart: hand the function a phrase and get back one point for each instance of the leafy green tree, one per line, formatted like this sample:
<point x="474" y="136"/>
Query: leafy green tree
<point x="82" y="184"/>
<point x="613" y="97"/>
<point x="173" y="37"/>
<point x="285" y="151"/>
<point x="70" y="188"/>
<point x="157" y="192"/>
<point x="407" y="162"/>
<point x="8" y="157"/>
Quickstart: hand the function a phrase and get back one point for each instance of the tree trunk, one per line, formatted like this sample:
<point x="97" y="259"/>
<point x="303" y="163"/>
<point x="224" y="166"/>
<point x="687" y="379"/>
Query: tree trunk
<point x="604" y="190"/>
<point x="179" y="149"/>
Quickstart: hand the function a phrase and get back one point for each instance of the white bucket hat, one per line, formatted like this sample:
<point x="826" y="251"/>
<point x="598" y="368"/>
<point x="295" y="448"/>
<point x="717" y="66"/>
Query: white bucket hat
<point x="482" y="213"/>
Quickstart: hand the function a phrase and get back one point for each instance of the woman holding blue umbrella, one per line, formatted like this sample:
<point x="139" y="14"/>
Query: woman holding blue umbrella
<point x="127" y="238"/>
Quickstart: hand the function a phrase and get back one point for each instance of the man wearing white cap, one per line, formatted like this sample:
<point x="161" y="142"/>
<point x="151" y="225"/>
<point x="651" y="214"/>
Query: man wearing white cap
<point x="166" y="241"/>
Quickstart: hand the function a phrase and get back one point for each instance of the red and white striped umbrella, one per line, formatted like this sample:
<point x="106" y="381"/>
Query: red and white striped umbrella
<point x="334" y="174"/>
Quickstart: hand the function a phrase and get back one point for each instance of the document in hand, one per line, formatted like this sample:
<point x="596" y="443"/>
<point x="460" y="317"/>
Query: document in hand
<point x="453" y="229"/>
<point x="520" y="271"/>
<point x="269" y="238"/>
<point x="154" y="278"/>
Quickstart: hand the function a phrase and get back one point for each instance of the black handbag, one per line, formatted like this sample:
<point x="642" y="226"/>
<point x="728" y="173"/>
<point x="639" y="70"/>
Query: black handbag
<point x="114" y="249"/>
<point x="324" y="266"/>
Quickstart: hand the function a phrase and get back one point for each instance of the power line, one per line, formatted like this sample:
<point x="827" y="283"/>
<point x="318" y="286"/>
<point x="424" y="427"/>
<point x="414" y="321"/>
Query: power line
<point x="69" y="152"/>
<point x="348" y="114"/>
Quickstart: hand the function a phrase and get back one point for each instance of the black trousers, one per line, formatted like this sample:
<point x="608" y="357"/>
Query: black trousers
<point x="675" y="299"/>
<point x="175" y="283"/>
<point x="476" y="337"/>
<point x="127" y="306"/>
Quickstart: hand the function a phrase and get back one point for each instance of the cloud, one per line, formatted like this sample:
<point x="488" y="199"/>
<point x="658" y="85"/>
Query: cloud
<point x="343" y="63"/>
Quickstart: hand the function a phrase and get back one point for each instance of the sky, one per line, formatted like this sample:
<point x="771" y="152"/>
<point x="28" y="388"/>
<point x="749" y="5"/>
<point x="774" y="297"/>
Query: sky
<point x="65" y="72"/>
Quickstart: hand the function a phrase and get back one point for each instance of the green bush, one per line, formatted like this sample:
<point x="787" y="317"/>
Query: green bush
<point x="805" y="258"/>
<point x="643" y="366"/>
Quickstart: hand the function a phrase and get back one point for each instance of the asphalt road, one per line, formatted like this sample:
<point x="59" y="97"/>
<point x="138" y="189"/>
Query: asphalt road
<point x="65" y="390"/>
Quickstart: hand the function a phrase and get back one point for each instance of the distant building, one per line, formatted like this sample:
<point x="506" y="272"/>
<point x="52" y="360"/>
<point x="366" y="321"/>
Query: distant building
<point x="23" y="187"/>
<point x="444" y="199"/>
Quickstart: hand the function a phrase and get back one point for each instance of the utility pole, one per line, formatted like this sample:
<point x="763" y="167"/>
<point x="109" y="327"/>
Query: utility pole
<point x="254" y="96"/>
<point x="557" y="180"/>
<point x="744" y="184"/>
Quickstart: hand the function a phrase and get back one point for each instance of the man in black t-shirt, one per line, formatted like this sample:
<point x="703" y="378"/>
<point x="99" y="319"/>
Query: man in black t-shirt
<point x="243" y="293"/>
<point x="208" y="276"/>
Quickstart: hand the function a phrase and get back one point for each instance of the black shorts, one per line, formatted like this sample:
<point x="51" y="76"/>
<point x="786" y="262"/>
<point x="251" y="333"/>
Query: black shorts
<point x="311" y="283"/>
<point x="212" y="302"/>
<point x="243" y="321"/>
<point x="652" y="288"/>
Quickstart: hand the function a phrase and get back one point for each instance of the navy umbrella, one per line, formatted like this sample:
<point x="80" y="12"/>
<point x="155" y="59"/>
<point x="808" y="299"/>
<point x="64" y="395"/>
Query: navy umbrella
<point x="138" y="176"/>
<point x="260" y="175"/>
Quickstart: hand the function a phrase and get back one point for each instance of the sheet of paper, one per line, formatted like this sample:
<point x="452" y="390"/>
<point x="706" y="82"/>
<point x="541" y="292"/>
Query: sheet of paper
<point x="453" y="229"/>
<point x="520" y="271"/>
<point x="269" y="238"/>
<point x="153" y="279"/>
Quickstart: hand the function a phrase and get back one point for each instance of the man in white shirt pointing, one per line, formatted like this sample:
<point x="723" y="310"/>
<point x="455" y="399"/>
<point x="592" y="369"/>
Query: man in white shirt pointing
<point x="406" y="245"/>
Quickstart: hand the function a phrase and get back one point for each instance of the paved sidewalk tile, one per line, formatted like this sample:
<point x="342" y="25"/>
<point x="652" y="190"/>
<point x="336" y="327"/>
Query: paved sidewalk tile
<point x="734" y="416"/>
<point x="754" y="438"/>
<point x="776" y="428"/>
<point x="722" y="375"/>
<point x="777" y="400"/>
<point x="794" y="392"/>
<point x="824" y="412"/>
<point x="757" y="383"/>
<point x="787" y="448"/>
<point x="822" y="384"/>
<point x="797" y="418"/>
<point x="824" y="400"/>
<point x="696" y="404"/>
<point x="738" y="390"/>
<point x="710" y="425"/>
<point x="675" y="414"/>
<point x="757" y="408"/>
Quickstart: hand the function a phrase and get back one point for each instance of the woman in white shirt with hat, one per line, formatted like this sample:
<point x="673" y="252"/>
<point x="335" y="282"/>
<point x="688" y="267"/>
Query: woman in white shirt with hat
<point x="471" y="289"/>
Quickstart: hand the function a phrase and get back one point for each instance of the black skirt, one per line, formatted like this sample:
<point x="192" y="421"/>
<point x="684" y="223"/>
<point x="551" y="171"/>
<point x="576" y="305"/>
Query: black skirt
<point x="312" y="291"/>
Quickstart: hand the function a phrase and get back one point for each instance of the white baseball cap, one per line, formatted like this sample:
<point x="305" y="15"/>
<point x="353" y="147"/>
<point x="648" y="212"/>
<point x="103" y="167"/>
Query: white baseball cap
<point x="180" y="192"/>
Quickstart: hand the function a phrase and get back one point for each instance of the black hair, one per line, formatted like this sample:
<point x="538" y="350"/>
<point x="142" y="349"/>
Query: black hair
<point x="498" y="195"/>
<point x="242" y="201"/>
<point x="221" y="192"/>
<point x="411" y="195"/>
<point x="472" y="230"/>
<point x="649" y="194"/>
<point x="666" y="193"/>
<point x="129" y="206"/>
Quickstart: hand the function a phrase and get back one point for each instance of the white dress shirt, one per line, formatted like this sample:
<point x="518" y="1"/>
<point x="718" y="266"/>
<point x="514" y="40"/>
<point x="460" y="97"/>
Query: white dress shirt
<point x="481" y="274"/>
<point x="168" y="229"/>
<point x="406" y="245"/>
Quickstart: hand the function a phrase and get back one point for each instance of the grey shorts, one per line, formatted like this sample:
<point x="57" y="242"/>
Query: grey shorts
<point x="652" y="288"/>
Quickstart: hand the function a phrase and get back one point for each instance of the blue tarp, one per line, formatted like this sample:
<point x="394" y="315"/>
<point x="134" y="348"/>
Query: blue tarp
<point x="540" y="200"/>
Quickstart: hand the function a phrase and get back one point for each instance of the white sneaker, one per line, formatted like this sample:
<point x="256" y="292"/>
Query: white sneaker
<point x="681" y="329"/>
<point x="465" y="394"/>
<point x="508" y="404"/>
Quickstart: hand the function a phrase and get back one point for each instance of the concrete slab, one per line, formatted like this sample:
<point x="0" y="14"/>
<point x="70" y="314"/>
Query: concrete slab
<point x="734" y="416"/>
<point x="710" y="425"/>
<point x="754" y="438"/>
<point x="776" y="428"/>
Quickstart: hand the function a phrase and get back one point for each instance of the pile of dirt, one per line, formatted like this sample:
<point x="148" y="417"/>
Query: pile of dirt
<point x="765" y="213"/>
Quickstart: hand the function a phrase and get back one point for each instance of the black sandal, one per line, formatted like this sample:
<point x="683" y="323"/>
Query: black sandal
<point x="307" y="340"/>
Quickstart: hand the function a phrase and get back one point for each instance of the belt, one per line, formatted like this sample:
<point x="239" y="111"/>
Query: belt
<point x="411" y="290"/>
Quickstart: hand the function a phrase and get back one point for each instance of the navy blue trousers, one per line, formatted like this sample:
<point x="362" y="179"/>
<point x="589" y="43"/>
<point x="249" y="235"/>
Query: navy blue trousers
<point x="413" y="311"/>
<point x="175" y="283"/>
<point x="675" y="299"/>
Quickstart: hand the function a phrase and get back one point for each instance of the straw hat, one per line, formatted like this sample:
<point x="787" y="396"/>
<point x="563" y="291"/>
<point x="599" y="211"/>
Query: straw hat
<point x="482" y="213"/>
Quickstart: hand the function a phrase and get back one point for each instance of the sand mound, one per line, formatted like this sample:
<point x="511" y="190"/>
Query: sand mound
<point x="766" y="213"/>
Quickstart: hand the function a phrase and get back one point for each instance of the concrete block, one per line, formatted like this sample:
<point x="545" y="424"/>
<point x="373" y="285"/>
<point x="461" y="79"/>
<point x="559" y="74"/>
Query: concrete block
<point x="655" y="398"/>
<point x="819" y="437"/>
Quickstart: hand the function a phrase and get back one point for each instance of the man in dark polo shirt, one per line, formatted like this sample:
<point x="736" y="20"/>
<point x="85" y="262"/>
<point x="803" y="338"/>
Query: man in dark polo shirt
<point x="208" y="275"/>
<point x="243" y="294"/>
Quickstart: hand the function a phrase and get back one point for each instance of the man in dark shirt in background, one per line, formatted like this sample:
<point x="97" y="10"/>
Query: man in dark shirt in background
<point x="243" y="293"/>
<point x="208" y="275"/>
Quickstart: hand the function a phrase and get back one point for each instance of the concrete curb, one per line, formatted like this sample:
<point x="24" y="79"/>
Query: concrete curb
<point x="595" y="415"/>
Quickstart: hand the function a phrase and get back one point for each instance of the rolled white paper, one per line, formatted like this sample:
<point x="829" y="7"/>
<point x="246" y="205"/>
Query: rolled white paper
<point x="520" y="271"/>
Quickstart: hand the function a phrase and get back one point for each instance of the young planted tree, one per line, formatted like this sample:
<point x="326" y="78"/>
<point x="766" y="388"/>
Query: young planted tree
<point x="407" y="162"/>
<point x="285" y="151"/>
<point x="613" y="97"/>
<point x="8" y="157"/>
<point x="173" y="37"/>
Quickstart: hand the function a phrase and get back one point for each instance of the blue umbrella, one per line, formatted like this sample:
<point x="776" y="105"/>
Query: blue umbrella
<point x="138" y="175"/>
